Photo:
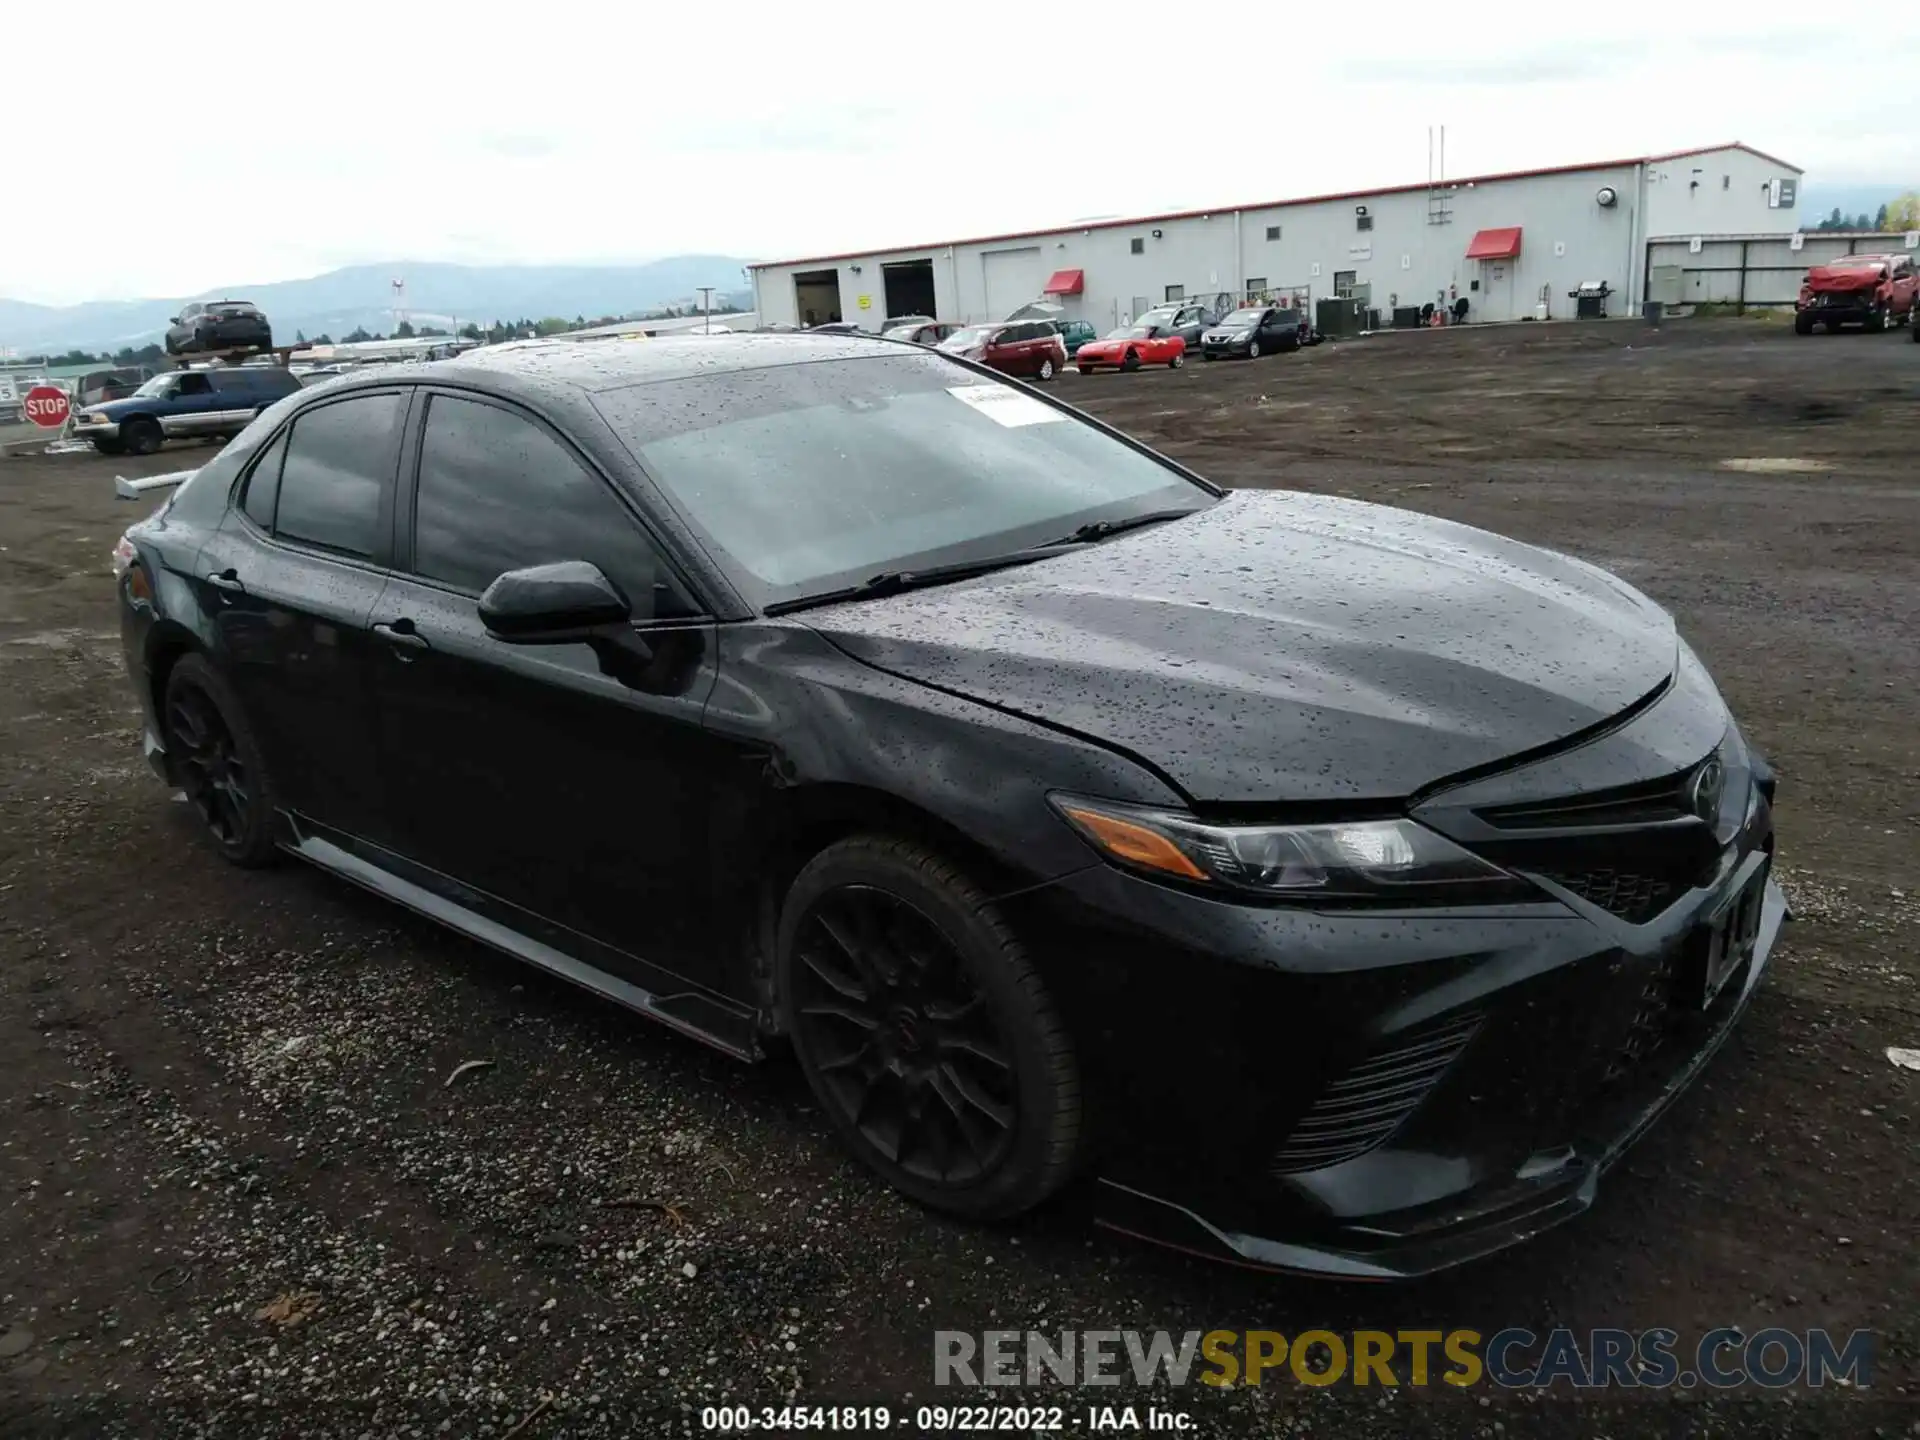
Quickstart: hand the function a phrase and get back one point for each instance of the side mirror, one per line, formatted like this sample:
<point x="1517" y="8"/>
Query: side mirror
<point x="567" y="602"/>
<point x="173" y="319"/>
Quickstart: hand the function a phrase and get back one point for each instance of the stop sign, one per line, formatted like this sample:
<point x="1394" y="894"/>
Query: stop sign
<point x="46" y="405"/>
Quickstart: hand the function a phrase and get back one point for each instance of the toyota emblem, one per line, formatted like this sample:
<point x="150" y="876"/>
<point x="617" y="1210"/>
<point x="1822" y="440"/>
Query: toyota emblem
<point x="1703" y="791"/>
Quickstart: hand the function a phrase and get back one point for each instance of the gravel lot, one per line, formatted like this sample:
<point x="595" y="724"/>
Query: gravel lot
<point x="244" y="1192"/>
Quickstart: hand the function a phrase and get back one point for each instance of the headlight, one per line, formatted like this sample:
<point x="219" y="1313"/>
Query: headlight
<point x="93" y="417"/>
<point x="1243" y="334"/>
<point x="1379" y="860"/>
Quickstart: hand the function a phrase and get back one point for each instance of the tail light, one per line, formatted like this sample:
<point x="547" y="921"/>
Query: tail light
<point x="123" y="557"/>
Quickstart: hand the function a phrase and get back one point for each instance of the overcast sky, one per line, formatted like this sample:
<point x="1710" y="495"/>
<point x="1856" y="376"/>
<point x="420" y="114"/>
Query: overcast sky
<point x="553" y="132"/>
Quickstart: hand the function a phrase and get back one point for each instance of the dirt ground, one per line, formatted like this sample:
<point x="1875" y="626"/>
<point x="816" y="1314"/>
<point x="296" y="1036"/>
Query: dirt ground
<point x="240" y="1196"/>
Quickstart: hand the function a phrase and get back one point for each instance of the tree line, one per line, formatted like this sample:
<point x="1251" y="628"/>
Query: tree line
<point x="1896" y="217"/>
<point x="128" y="356"/>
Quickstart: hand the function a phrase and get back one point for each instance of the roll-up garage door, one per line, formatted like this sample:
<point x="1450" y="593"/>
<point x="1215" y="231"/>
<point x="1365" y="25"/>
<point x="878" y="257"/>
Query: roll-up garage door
<point x="1013" y="278"/>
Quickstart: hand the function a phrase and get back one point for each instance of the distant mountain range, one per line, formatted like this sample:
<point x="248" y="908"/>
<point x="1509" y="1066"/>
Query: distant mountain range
<point x="361" y="296"/>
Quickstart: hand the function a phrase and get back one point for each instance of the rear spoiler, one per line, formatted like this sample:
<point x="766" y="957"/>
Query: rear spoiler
<point x="133" y="489"/>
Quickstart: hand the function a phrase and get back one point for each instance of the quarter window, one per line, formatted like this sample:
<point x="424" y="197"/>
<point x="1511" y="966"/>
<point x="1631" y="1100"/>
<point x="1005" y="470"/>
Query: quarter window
<point x="338" y="460"/>
<point x="498" y="493"/>
<point x="263" y="486"/>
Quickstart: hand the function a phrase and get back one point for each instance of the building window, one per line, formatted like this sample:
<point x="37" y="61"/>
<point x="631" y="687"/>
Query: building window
<point x="1256" y="286"/>
<point x="1137" y="245"/>
<point x="1343" y="283"/>
<point x="1176" y="293"/>
<point x="1363" y="222"/>
<point x="1273" y="232"/>
<point x="1726" y="182"/>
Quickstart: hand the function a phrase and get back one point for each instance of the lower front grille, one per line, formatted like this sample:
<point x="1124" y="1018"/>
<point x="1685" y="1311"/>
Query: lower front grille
<point x="1368" y="1103"/>
<point x="1635" y="898"/>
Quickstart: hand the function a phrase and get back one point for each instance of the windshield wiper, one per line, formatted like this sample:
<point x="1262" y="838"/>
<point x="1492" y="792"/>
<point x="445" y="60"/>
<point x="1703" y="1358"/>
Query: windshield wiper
<point x="892" y="582"/>
<point x="1101" y="529"/>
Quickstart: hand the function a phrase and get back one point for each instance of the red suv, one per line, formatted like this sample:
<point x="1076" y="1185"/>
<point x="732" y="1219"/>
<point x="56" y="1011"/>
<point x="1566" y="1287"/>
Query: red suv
<point x="1871" y="290"/>
<point x="1014" y="347"/>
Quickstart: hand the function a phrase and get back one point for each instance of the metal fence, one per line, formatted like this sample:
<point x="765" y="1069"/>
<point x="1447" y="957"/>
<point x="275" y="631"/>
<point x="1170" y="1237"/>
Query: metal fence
<point x="1760" y="271"/>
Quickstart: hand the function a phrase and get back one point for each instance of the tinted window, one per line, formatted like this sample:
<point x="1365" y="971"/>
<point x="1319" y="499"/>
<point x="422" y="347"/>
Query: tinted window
<point x="263" y="485"/>
<point x="193" y="385"/>
<point x="498" y="493"/>
<point x="338" y="459"/>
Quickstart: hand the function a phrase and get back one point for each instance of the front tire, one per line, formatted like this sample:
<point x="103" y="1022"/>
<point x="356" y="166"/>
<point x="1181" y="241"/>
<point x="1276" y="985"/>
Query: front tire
<point x="1876" y="321"/>
<point x="1084" y="369"/>
<point x="108" y="445"/>
<point x="1132" y="362"/>
<point x="925" y="1031"/>
<point x="1803" y="324"/>
<point x="142" y="436"/>
<point x="216" y="760"/>
<point x="1253" y="349"/>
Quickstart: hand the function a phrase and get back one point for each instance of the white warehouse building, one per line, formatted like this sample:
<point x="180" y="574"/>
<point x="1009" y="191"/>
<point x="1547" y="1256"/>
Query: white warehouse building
<point x="1506" y="243"/>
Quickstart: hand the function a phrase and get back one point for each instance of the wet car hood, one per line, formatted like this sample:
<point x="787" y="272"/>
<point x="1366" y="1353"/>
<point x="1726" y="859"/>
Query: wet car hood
<point x="1283" y="647"/>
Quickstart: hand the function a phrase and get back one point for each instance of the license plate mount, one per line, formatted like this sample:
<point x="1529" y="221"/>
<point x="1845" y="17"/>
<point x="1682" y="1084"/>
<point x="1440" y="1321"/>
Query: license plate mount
<point x="1722" y="946"/>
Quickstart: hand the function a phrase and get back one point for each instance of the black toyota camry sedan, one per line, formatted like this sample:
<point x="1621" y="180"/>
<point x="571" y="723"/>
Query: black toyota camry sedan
<point x="1339" y="889"/>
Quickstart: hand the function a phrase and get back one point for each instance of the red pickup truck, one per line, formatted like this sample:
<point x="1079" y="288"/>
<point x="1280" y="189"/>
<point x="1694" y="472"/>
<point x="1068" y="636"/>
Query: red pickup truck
<point x="1871" y="290"/>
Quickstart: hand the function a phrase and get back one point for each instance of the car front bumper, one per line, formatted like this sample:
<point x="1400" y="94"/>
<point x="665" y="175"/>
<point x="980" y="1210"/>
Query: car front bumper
<point x="1233" y="1054"/>
<point x="97" y="430"/>
<point x="1844" y="310"/>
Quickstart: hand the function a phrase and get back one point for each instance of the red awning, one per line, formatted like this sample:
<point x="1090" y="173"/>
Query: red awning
<point x="1495" y="245"/>
<point x="1066" y="282"/>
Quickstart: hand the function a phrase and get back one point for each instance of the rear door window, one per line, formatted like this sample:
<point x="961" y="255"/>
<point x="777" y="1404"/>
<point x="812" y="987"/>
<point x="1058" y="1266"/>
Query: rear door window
<point x="497" y="492"/>
<point x="193" y="385"/>
<point x="340" y="458"/>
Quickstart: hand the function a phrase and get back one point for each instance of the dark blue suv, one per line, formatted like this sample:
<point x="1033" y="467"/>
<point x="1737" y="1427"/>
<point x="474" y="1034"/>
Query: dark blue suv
<point x="182" y="404"/>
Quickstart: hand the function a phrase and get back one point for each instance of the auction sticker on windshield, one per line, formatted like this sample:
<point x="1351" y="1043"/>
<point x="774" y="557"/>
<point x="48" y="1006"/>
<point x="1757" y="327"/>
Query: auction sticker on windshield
<point x="1004" y="405"/>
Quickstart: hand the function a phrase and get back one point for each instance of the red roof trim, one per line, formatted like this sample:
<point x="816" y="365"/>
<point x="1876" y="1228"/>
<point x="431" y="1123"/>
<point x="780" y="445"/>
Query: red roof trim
<point x="1500" y="244"/>
<point x="1624" y="164"/>
<point x="1066" y="282"/>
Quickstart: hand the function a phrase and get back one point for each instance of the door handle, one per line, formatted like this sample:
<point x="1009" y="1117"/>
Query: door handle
<point x="228" y="580"/>
<point x="401" y="634"/>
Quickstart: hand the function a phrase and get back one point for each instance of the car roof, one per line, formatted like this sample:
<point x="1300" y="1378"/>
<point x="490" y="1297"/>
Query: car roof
<point x="593" y="366"/>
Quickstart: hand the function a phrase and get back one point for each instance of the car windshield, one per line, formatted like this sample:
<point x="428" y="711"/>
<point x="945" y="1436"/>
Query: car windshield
<point x="158" y="385"/>
<point x="808" y="478"/>
<point x="902" y="332"/>
<point x="969" y="336"/>
<point x="1133" y="332"/>
<point x="1244" y="317"/>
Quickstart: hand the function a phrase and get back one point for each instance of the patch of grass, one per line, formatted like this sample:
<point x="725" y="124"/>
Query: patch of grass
<point x="1726" y="310"/>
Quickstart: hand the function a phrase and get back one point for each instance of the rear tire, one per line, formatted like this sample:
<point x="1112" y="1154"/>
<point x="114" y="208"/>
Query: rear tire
<point x="1176" y="362"/>
<point x="214" y="757"/>
<point x="142" y="436"/>
<point x="1045" y="371"/>
<point x="925" y="1031"/>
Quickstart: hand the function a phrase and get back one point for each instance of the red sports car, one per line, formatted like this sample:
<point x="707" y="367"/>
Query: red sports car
<point x="1130" y="347"/>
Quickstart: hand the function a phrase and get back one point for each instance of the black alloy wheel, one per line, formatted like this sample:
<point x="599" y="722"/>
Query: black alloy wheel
<point x="924" y="1031"/>
<point x="215" y="761"/>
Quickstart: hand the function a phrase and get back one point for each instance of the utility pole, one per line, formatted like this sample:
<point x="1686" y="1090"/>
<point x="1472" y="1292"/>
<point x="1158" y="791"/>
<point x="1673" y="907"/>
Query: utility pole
<point x="706" y="308"/>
